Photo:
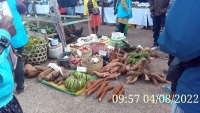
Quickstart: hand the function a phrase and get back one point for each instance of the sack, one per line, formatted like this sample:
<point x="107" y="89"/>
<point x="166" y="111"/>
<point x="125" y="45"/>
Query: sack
<point x="61" y="3"/>
<point x="95" y="11"/>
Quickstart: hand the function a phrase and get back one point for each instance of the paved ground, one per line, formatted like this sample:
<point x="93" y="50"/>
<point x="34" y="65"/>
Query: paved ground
<point x="39" y="98"/>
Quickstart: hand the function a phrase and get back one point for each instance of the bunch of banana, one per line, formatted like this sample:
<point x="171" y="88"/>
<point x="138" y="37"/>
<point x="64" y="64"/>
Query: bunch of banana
<point x="135" y="57"/>
<point x="103" y="40"/>
<point x="73" y="84"/>
<point x="86" y="77"/>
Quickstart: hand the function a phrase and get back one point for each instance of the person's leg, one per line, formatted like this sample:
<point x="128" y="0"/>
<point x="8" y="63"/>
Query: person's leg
<point x="171" y="58"/>
<point x="96" y="30"/>
<point x="162" y="19"/>
<point x="19" y="72"/>
<point x="121" y="27"/>
<point x="70" y="11"/>
<point x="12" y="107"/>
<point x="126" y="30"/>
<point x="93" y="30"/>
<point x="156" y="29"/>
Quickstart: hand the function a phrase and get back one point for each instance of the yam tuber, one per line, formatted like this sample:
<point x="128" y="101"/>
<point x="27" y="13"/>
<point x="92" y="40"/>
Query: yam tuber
<point x="44" y="73"/>
<point x="41" y="68"/>
<point x="139" y="69"/>
<point x="49" y="76"/>
<point x="106" y="89"/>
<point x="100" y="74"/>
<point x="114" y="75"/>
<point x="115" y="69"/>
<point x="116" y="91"/>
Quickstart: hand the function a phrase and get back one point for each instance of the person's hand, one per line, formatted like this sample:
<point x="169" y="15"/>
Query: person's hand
<point x="152" y="14"/>
<point x="6" y="24"/>
<point x="172" y="94"/>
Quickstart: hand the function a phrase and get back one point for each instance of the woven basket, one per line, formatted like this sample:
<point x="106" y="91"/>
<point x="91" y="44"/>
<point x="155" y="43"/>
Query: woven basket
<point x="94" y="67"/>
<point x="36" y="54"/>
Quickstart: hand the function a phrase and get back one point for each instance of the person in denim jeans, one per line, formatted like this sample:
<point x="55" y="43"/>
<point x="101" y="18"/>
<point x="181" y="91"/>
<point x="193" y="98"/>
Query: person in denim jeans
<point x="70" y="10"/>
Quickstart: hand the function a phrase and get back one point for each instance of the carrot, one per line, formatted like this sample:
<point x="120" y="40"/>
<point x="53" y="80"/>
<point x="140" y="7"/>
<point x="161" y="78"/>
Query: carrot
<point x="94" y="88"/>
<point x="116" y="91"/>
<point x="107" y="88"/>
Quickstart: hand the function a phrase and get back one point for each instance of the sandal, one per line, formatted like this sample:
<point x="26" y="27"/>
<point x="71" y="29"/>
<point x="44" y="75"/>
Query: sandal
<point x="167" y="88"/>
<point x="162" y="99"/>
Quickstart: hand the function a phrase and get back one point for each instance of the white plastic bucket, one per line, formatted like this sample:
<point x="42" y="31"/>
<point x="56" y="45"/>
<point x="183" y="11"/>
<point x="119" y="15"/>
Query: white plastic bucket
<point x="55" y="51"/>
<point x="54" y="42"/>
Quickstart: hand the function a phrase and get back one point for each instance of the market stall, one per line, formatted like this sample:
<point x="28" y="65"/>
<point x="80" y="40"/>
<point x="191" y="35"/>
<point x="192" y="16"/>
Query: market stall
<point x="90" y="64"/>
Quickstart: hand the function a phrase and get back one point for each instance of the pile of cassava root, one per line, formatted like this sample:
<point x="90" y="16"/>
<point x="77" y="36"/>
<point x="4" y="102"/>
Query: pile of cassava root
<point x="46" y="73"/>
<point x="103" y="87"/>
<point x="133" y="64"/>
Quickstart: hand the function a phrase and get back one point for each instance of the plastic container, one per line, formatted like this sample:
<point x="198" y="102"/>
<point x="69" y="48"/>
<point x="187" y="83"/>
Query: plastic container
<point x="86" y="55"/>
<point x="54" y="42"/>
<point x="117" y="40"/>
<point x="55" y="51"/>
<point x="64" y="61"/>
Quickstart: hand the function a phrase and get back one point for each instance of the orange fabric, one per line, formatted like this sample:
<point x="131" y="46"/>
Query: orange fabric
<point x="96" y="20"/>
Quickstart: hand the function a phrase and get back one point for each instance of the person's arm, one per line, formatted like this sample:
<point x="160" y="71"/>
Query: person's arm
<point x="124" y="5"/>
<point x="21" y="7"/>
<point x="4" y="50"/>
<point x="151" y="2"/>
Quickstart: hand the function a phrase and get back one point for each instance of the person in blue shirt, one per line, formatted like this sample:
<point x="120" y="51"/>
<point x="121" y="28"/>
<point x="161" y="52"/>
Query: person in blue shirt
<point x="18" y="42"/>
<point x="180" y="38"/>
<point x="8" y="102"/>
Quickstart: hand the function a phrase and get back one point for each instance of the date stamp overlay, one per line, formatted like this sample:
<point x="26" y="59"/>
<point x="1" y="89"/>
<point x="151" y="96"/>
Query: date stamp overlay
<point x="156" y="99"/>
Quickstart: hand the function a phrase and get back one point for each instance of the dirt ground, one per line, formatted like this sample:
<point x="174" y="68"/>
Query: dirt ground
<point x="39" y="98"/>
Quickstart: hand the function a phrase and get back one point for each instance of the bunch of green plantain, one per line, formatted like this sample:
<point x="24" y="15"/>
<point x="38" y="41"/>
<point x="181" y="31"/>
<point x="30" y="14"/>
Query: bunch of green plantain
<point x="86" y="77"/>
<point x="127" y="47"/>
<point x="135" y="57"/>
<point x="73" y="84"/>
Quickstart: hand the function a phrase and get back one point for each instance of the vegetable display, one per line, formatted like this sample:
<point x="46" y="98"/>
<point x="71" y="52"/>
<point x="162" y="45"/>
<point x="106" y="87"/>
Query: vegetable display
<point x="84" y="49"/>
<point x="33" y="27"/>
<point x="75" y="60"/>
